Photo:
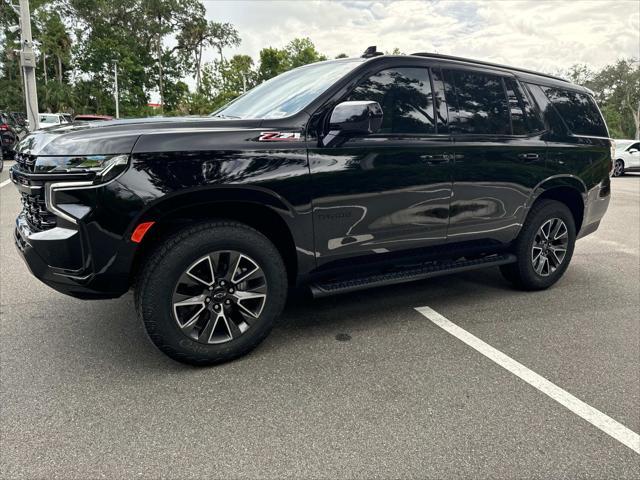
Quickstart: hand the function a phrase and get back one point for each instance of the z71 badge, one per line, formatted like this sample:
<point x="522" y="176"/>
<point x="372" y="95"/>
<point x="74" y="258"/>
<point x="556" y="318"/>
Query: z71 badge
<point x="278" y="136"/>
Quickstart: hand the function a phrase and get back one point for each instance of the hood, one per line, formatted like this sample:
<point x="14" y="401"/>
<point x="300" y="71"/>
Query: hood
<point x="116" y="136"/>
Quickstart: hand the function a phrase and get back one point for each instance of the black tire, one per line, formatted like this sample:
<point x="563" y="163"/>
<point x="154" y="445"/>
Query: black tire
<point x="175" y="257"/>
<point x="523" y="273"/>
<point x="618" y="168"/>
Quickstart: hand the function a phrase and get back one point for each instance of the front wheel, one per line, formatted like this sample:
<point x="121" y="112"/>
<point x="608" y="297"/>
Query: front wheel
<point x="544" y="247"/>
<point x="212" y="292"/>
<point x="618" y="168"/>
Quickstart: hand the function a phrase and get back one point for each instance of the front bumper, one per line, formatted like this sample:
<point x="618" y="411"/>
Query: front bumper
<point x="85" y="258"/>
<point x="46" y="254"/>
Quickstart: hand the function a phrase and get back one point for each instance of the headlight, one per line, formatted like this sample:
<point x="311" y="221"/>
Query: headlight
<point x="105" y="167"/>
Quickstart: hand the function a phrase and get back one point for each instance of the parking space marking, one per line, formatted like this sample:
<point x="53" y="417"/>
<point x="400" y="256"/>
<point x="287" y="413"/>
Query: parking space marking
<point x="605" y="423"/>
<point x="6" y="182"/>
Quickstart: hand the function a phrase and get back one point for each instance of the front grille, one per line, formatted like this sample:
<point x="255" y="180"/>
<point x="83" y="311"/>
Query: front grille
<point x="36" y="212"/>
<point x="26" y="163"/>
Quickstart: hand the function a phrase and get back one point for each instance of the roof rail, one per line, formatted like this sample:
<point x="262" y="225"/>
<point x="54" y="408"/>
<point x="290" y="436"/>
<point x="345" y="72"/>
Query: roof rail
<point x="480" y="62"/>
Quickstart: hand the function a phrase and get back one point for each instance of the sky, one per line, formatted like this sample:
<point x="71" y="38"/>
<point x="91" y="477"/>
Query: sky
<point x="541" y="35"/>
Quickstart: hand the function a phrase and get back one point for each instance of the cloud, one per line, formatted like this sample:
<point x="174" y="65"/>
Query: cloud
<point x="539" y="35"/>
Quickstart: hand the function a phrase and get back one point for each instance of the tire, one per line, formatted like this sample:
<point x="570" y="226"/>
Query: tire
<point x="530" y="272"/>
<point x="618" y="168"/>
<point x="206" y="262"/>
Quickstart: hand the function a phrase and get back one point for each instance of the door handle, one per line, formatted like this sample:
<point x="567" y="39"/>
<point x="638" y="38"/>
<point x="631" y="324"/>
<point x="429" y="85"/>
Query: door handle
<point x="435" y="159"/>
<point x="529" y="156"/>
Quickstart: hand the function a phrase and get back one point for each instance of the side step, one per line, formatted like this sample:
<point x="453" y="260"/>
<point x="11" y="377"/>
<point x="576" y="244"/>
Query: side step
<point x="408" y="274"/>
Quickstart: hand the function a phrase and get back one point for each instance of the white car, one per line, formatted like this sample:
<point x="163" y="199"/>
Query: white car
<point x="627" y="157"/>
<point x="51" y="119"/>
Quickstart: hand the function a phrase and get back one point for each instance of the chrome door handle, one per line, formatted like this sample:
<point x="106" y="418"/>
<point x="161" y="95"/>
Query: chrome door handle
<point x="435" y="159"/>
<point x="529" y="156"/>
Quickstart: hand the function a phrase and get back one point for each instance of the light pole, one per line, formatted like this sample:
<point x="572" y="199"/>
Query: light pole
<point x="115" y="76"/>
<point x="28" y="64"/>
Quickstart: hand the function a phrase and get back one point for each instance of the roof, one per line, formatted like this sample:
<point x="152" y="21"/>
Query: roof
<point x="490" y="64"/>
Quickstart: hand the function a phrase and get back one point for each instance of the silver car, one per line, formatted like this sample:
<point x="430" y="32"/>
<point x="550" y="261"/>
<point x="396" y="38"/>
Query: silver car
<point x="627" y="157"/>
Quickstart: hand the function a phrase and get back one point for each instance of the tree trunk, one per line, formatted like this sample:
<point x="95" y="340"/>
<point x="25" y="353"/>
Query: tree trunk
<point x="59" y="68"/>
<point x="636" y="119"/>
<point x="198" y="68"/>
<point x="44" y="68"/>
<point x="160" y="74"/>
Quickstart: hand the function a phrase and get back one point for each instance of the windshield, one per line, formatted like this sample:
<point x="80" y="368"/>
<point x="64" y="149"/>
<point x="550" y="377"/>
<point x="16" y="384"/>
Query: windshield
<point x="289" y="92"/>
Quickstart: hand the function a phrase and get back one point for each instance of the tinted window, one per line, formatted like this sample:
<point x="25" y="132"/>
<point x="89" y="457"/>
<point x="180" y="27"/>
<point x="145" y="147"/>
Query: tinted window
<point x="482" y="104"/>
<point x="405" y="97"/>
<point x="578" y="110"/>
<point x="524" y="118"/>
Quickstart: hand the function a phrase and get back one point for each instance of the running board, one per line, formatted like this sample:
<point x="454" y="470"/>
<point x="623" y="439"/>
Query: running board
<point x="409" y="274"/>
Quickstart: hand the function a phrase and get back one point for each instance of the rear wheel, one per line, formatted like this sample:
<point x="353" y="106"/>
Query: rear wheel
<point x="618" y="168"/>
<point x="212" y="292"/>
<point x="544" y="247"/>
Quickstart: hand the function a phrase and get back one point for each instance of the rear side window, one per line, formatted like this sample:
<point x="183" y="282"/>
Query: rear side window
<point x="524" y="118"/>
<point x="482" y="103"/>
<point x="578" y="110"/>
<point x="405" y="97"/>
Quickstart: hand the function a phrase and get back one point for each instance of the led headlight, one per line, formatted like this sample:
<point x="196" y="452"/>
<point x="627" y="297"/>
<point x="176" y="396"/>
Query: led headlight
<point x="105" y="167"/>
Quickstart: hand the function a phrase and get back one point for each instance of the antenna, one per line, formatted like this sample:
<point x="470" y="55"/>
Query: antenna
<point x="371" y="52"/>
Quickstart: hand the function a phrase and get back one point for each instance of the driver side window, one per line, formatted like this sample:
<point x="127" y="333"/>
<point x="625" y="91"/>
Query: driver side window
<point x="405" y="97"/>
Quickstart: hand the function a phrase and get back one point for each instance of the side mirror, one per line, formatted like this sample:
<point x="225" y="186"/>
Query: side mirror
<point x="356" y="117"/>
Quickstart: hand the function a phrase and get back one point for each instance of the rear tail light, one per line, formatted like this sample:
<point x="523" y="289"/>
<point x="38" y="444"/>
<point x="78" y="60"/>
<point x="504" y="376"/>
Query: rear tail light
<point x="4" y="126"/>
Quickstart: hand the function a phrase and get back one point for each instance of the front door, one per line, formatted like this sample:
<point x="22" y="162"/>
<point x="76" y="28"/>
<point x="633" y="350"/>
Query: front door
<point x="387" y="191"/>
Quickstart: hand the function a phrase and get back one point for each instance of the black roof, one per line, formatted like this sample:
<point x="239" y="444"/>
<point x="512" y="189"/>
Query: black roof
<point x="480" y="62"/>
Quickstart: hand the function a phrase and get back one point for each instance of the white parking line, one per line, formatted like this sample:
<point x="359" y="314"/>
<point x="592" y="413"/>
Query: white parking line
<point x="605" y="423"/>
<point x="6" y="182"/>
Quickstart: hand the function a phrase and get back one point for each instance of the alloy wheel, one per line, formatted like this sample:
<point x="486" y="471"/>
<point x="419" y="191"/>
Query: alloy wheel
<point x="549" y="247"/>
<point x="618" y="168"/>
<point x="219" y="297"/>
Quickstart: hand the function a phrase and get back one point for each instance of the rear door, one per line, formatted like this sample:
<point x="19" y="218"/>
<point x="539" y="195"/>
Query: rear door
<point x="389" y="191"/>
<point x="499" y="154"/>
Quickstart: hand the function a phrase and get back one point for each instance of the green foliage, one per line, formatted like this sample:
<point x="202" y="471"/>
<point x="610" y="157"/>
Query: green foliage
<point x="156" y="45"/>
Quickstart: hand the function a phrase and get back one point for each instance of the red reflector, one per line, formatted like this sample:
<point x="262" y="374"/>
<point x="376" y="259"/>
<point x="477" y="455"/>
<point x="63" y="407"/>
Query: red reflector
<point x="140" y="231"/>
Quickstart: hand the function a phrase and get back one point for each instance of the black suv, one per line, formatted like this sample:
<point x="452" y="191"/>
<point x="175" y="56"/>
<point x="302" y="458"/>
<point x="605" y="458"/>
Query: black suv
<point x="339" y="175"/>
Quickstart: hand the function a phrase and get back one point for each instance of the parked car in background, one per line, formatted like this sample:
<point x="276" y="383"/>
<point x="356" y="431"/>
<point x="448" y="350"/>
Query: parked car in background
<point x="9" y="135"/>
<point x="51" y="119"/>
<point x="91" y="118"/>
<point x="627" y="157"/>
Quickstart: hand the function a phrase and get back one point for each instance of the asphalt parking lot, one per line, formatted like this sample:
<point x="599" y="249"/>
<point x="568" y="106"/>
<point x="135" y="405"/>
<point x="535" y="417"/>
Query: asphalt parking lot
<point x="360" y="385"/>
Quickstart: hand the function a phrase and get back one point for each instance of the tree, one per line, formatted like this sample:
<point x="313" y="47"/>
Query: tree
<point x="55" y="42"/>
<point x="273" y="62"/>
<point x="302" y="51"/>
<point x="223" y="35"/>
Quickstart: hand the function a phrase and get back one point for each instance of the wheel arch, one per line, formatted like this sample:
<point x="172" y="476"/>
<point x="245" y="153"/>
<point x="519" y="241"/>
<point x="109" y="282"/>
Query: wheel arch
<point x="567" y="189"/>
<point x="259" y="208"/>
